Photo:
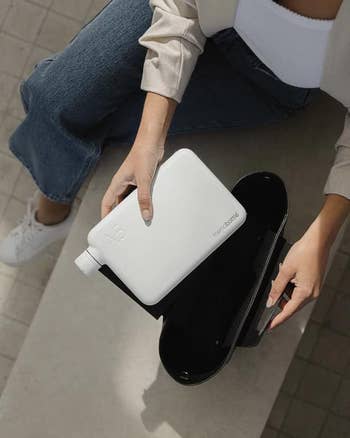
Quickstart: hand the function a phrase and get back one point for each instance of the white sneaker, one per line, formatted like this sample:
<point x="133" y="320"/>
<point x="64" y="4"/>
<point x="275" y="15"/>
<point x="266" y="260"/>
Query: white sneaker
<point x="31" y="237"/>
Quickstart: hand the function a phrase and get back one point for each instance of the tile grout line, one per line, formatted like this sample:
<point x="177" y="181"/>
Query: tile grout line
<point x="285" y="434"/>
<point x="32" y="45"/>
<point x="294" y="396"/>
<point x="336" y="331"/>
<point x="11" y="318"/>
<point x="327" y="410"/>
<point x="272" y="428"/>
<point x="310" y="361"/>
<point x="8" y="315"/>
<point x="6" y="356"/>
<point x="330" y="407"/>
<point x="88" y="12"/>
<point x="7" y="112"/>
<point x="334" y="398"/>
<point x="10" y="195"/>
<point x="33" y="2"/>
<point x="288" y="407"/>
<point x="26" y="283"/>
<point x="77" y="20"/>
<point x="323" y="423"/>
<point x="48" y="10"/>
<point x="6" y="15"/>
<point x="286" y="412"/>
<point x="22" y="75"/>
<point x="16" y="91"/>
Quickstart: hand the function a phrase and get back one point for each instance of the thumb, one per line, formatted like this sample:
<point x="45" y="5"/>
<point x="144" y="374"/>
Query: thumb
<point x="144" y="197"/>
<point x="279" y="284"/>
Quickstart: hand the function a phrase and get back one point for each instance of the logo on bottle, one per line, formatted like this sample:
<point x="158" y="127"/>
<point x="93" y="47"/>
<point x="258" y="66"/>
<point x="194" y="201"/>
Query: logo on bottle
<point x="115" y="233"/>
<point x="226" y="224"/>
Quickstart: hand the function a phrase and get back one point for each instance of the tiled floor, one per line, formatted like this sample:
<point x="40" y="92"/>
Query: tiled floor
<point x="29" y="31"/>
<point x="315" y="398"/>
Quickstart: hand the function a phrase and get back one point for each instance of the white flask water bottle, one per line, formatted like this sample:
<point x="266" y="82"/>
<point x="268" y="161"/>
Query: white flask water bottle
<point x="194" y="213"/>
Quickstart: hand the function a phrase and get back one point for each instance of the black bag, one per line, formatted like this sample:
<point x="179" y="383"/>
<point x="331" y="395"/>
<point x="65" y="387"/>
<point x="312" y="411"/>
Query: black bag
<point x="222" y="303"/>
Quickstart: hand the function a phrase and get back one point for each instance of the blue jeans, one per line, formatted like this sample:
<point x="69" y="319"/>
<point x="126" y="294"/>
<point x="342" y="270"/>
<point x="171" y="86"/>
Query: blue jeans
<point x="87" y="95"/>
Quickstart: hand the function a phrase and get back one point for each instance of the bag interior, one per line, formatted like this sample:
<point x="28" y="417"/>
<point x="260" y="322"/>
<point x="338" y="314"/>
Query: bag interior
<point x="202" y="325"/>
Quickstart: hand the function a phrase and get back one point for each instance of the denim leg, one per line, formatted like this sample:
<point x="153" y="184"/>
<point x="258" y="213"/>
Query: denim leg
<point x="89" y="94"/>
<point x="69" y="98"/>
<point x="229" y="87"/>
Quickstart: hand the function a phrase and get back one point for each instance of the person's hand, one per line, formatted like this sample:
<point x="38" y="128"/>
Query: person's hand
<point x="304" y="266"/>
<point x="138" y="170"/>
<point x="306" y="261"/>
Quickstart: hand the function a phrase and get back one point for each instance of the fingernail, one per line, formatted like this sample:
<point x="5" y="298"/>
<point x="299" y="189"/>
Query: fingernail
<point x="146" y="214"/>
<point x="269" y="302"/>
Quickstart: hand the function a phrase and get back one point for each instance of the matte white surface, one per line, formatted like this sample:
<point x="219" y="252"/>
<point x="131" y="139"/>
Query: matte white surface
<point x="194" y="213"/>
<point x="89" y="366"/>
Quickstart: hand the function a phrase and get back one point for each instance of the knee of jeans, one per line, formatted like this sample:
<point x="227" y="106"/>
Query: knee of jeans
<point x="34" y="93"/>
<point x="42" y="92"/>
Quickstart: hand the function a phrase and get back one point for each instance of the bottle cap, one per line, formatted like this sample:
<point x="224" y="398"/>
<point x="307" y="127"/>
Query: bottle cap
<point x="87" y="264"/>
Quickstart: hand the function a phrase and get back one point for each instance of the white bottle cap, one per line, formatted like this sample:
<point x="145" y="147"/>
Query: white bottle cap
<point x="87" y="264"/>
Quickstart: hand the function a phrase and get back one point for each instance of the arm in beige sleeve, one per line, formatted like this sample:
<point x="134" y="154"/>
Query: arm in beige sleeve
<point x="338" y="181"/>
<point x="174" y="41"/>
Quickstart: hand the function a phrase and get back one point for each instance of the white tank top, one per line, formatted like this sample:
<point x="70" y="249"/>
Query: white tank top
<point x="291" y="45"/>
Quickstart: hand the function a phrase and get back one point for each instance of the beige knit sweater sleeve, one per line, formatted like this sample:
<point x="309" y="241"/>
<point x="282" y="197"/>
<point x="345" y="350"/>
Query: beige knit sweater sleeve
<point x="338" y="180"/>
<point x="174" y="41"/>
